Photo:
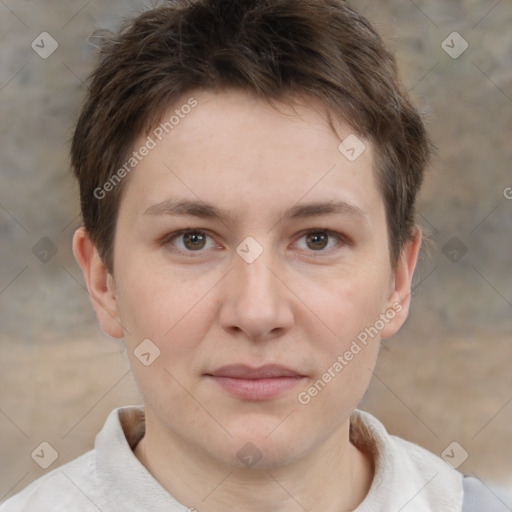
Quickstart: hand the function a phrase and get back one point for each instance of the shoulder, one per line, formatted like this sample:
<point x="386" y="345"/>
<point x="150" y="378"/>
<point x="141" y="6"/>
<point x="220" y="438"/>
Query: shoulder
<point x="64" y="488"/>
<point x="400" y="462"/>
<point x="407" y="477"/>
<point x="83" y="484"/>
<point x="105" y="478"/>
<point x="399" y="454"/>
<point x="478" y="497"/>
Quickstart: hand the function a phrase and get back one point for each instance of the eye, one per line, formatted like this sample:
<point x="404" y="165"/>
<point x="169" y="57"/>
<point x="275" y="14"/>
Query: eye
<point x="190" y="240"/>
<point x="322" y="240"/>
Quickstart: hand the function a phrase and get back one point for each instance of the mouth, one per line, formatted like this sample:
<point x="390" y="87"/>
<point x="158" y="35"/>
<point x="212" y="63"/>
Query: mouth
<point x="262" y="383"/>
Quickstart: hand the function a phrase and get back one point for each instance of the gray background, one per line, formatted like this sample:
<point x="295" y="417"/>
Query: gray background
<point x="446" y="377"/>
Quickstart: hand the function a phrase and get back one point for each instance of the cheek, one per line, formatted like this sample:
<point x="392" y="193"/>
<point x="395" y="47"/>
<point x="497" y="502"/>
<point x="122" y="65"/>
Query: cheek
<point x="175" y="315"/>
<point x="345" y="361"/>
<point x="345" y="372"/>
<point x="352" y="304"/>
<point x="346" y="355"/>
<point x="171" y="310"/>
<point x="342" y="387"/>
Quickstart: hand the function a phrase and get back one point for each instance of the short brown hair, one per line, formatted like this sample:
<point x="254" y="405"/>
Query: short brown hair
<point x="276" y="49"/>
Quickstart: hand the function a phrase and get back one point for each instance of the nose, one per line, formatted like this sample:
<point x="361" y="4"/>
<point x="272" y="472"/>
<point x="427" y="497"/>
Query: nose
<point x="256" y="301"/>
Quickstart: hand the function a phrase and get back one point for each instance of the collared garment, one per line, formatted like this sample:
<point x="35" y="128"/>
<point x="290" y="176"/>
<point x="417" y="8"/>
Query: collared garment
<point x="110" y="478"/>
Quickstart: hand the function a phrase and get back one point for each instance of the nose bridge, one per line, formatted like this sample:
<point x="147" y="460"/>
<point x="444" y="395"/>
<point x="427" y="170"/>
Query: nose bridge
<point x="253" y="274"/>
<point x="256" y="301"/>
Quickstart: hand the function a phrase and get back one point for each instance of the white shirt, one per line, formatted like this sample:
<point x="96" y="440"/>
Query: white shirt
<point x="110" y="478"/>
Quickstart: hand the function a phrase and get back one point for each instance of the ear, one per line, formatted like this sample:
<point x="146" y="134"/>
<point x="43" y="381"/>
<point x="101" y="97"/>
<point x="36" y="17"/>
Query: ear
<point x="399" y="298"/>
<point x="100" y="284"/>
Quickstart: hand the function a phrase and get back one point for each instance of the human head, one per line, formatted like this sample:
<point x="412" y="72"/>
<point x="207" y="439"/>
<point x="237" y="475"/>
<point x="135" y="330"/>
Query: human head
<point x="241" y="164"/>
<point x="276" y="49"/>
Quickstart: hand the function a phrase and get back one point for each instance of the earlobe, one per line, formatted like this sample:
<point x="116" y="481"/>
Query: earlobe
<point x="100" y="283"/>
<point x="399" y="298"/>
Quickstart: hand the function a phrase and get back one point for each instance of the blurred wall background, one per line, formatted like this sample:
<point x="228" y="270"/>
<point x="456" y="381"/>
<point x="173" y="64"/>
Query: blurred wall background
<point x="445" y="378"/>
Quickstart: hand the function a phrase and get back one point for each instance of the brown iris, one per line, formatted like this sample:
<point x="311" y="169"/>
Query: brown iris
<point x="317" y="239"/>
<point x="194" y="241"/>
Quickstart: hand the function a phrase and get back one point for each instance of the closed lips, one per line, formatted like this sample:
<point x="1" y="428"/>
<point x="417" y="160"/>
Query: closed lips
<point x="249" y="373"/>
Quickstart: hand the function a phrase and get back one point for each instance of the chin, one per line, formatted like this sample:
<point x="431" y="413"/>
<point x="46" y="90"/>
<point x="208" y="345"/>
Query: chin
<point x="263" y="449"/>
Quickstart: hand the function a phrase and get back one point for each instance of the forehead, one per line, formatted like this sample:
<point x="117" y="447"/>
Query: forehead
<point x="237" y="151"/>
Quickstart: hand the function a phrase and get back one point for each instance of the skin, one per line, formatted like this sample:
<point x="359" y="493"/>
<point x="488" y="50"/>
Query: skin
<point x="295" y="305"/>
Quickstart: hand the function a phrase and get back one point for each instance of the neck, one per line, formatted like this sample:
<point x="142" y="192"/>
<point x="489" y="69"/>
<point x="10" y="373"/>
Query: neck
<point x="335" y="477"/>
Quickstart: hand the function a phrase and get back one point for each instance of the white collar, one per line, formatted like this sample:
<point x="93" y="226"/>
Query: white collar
<point x="407" y="477"/>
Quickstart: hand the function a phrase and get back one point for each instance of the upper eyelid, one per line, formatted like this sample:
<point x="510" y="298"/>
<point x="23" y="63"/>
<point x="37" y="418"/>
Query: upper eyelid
<point x="342" y="237"/>
<point x="176" y="234"/>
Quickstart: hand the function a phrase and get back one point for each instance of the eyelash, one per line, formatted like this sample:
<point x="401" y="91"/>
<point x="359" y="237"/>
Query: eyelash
<point x="342" y="240"/>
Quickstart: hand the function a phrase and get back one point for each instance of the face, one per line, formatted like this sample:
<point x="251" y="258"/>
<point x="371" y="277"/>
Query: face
<point x="254" y="255"/>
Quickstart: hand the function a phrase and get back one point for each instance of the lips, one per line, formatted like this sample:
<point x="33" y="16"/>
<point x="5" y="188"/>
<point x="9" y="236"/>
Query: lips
<point x="263" y="372"/>
<point x="262" y="383"/>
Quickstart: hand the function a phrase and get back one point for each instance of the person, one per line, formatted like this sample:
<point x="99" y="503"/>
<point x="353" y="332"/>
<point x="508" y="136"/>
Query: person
<point x="248" y="174"/>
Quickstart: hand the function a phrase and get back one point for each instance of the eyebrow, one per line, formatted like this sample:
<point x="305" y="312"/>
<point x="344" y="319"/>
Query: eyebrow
<point x="204" y="210"/>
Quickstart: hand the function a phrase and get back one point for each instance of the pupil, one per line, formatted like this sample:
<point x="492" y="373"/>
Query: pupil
<point x="319" y="240"/>
<point x="194" y="240"/>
